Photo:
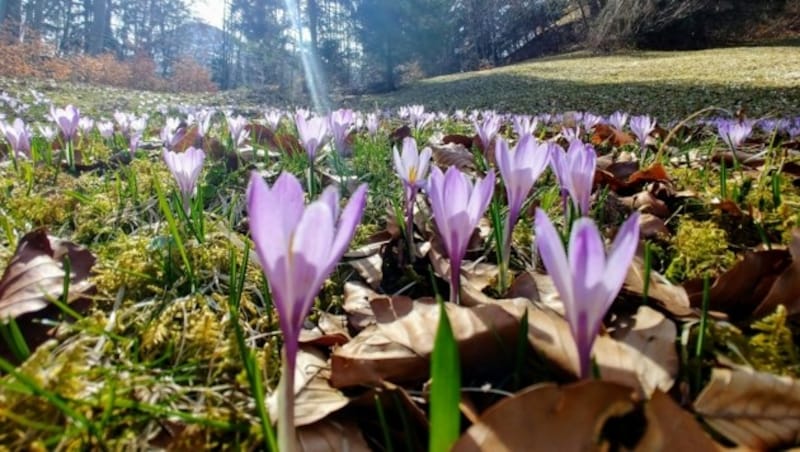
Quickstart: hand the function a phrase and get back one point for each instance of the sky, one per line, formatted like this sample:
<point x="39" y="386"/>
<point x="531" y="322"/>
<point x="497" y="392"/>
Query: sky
<point x="209" y="11"/>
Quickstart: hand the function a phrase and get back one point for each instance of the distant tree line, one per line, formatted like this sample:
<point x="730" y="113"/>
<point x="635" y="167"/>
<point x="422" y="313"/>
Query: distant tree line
<point x="369" y="45"/>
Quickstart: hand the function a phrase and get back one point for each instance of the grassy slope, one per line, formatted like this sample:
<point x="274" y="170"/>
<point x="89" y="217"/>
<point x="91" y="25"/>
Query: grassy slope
<point x="766" y="80"/>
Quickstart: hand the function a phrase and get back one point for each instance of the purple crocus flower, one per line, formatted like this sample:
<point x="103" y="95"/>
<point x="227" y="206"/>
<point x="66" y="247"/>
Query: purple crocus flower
<point x="524" y="125"/>
<point x="297" y="247"/>
<point x="123" y="120"/>
<point x="48" y="133"/>
<point x="236" y="129"/>
<point x="67" y="119"/>
<point x="487" y="129"/>
<point x="372" y="123"/>
<point x="590" y="120"/>
<point x="412" y="168"/>
<point x="18" y="136"/>
<point x="733" y="133"/>
<point x="203" y="118"/>
<point x="575" y="173"/>
<point x="273" y="118"/>
<point x="587" y="280"/>
<point x="341" y="123"/>
<point x="519" y="169"/>
<point x="106" y="129"/>
<point x="642" y="126"/>
<point x="172" y="133"/>
<point x="312" y="133"/>
<point x="185" y="167"/>
<point x="86" y="124"/>
<point x="457" y="205"/>
<point x="618" y="119"/>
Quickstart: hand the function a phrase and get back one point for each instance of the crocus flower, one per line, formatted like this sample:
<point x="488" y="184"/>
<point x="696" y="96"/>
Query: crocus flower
<point x="236" y="128"/>
<point x="412" y="168"/>
<point x="733" y="133"/>
<point x="123" y="120"/>
<point x="67" y="119"/>
<point x="18" y="136"/>
<point x="575" y="173"/>
<point x="372" y="123"/>
<point x="48" y="133"/>
<point x="185" y="167"/>
<point x="203" y="118"/>
<point x="340" y="124"/>
<point x="86" y="124"/>
<point x="642" y="127"/>
<point x="519" y="169"/>
<point x="106" y="129"/>
<point x="524" y="125"/>
<point x="587" y="280"/>
<point x="312" y="133"/>
<point x="487" y="129"/>
<point x="618" y="119"/>
<point x="457" y="205"/>
<point x="590" y="120"/>
<point x="273" y="118"/>
<point x="173" y="132"/>
<point x="297" y="247"/>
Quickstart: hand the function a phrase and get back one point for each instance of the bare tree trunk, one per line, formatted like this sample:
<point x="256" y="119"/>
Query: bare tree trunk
<point x="97" y="30"/>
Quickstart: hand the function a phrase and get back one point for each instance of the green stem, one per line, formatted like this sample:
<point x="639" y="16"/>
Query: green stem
<point x="287" y="439"/>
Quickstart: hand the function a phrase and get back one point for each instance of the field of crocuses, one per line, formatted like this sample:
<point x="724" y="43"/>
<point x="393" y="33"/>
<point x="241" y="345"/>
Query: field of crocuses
<point x="193" y="277"/>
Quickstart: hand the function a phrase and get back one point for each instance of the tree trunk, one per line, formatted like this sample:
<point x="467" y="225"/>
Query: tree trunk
<point x="97" y="30"/>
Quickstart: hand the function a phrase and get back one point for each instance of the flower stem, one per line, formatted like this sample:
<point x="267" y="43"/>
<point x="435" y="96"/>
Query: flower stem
<point x="411" y="194"/>
<point x="455" y="280"/>
<point x="287" y="439"/>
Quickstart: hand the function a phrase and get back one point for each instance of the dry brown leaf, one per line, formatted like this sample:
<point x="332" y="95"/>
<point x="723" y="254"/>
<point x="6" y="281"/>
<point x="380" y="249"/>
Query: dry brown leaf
<point x="672" y="428"/>
<point x="604" y="133"/>
<point x="546" y="417"/>
<point x="786" y="289"/>
<point x="314" y="397"/>
<point x="398" y="347"/>
<point x="332" y="435"/>
<point x="646" y="202"/>
<point x="367" y="259"/>
<point x="753" y="409"/>
<point x="668" y="296"/>
<point x="639" y="352"/>
<point x="652" y="227"/>
<point x="36" y="273"/>
<point x="453" y="154"/>
<point x="329" y="330"/>
<point x="744" y="288"/>
<point x="357" y="298"/>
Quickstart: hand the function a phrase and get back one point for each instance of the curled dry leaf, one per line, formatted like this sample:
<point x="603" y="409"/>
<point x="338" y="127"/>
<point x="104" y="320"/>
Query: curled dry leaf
<point x="314" y="397"/>
<point x="332" y="434"/>
<point x="329" y="330"/>
<point x="576" y="417"/>
<point x="639" y="351"/>
<point x="756" y="285"/>
<point x="367" y="259"/>
<point x="652" y="227"/>
<point x="549" y="417"/>
<point x="398" y="347"/>
<point x="453" y="154"/>
<point x="756" y="410"/>
<point x="646" y="202"/>
<point x="603" y="133"/>
<point x="36" y="274"/>
<point x="669" y="297"/>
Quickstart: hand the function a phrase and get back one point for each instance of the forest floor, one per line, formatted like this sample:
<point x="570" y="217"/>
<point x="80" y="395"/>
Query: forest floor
<point x="165" y="335"/>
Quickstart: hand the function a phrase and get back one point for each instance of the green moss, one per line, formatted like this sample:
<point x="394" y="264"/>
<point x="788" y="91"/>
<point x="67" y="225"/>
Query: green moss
<point x="701" y="247"/>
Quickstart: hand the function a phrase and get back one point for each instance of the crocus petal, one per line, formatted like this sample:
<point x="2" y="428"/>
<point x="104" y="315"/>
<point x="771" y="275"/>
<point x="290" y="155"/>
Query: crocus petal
<point x="350" y="218"/>
<point x="621" y="256"/>
<point x="552" y="253"/>
<point x="587" y="261"/>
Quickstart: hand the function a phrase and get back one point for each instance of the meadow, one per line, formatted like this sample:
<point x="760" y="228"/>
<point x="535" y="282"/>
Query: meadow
<point x="613" y="239"/>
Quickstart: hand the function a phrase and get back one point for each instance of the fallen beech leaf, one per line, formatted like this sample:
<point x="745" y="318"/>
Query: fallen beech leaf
<point x="314" y="397"/>
<point x="397" y="348"/>
<point x="36" y="273"/>
<point x="756" y="410"/>
<point x="654" y="173"/>
<point x="639" y="352"/>
<point x="447" y="155"/>
<point x="668" y="296"/>
<point x="603" y="133"/>
<point x="397" y="135"/>
<point x="786" y="289"/>
<point x="329" y="330"/>
<point x="652" y="227"/>
<point x="646" y="202"/>
<point x="549" y="417"/>
<point x="463" y="140"/>
<point x="742" y="289"/>
<point x="672" y="428"/>
<point x="332" y="434"/>
<point x="357" y="299"/>
<point x="368" y="258"/>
